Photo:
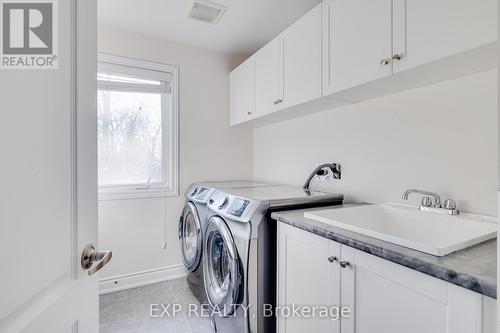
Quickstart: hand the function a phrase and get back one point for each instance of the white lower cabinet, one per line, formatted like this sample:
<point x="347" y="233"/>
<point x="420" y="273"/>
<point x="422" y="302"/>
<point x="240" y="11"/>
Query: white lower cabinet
<point x="384" y="297"/>
<point x="306" y="277"/>
<point x="387" y="297"/>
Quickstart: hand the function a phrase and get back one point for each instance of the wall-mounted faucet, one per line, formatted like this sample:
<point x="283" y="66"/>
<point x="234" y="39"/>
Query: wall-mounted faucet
<point x="322" y="170"/>
<point x="431" y="202"/>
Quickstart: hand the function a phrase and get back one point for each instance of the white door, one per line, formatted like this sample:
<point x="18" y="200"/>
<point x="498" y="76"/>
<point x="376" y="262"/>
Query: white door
<point x="242" y="92"/>
<point x="302" y="59"/>
<point x="386" y="297"/>
<point x="358" y="42"/>
<point x="48" y="200"/>
<point x="269" y="77"/>
<point x="308" y="275"/>
<point x="428" y="30"/>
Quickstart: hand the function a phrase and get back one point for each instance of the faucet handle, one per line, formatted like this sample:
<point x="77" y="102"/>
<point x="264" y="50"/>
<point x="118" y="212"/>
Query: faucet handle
<point x="427" y="201"/>
<point x="450" y="204"/>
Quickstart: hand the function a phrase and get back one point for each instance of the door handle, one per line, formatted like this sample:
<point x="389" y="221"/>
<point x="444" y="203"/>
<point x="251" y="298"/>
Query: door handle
<point x="90" y="257"/>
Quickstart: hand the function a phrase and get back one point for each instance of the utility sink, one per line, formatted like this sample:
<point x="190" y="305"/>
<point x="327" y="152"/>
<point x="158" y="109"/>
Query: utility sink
<point x="432" y="233"/>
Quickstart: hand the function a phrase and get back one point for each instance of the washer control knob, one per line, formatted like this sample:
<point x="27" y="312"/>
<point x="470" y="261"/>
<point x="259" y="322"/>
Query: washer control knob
<point x="223" y="202"/>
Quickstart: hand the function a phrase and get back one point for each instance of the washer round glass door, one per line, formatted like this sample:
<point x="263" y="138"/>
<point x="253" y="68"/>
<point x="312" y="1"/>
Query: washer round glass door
<point x="190" y="237"/>
<point x="221" y="268"/>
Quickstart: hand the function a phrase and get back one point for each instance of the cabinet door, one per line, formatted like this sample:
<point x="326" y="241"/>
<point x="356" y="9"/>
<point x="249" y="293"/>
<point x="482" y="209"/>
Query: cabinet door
<point x="242" y="92"/>
<point x="428" y="30"/>
<point x="386" y="297"/>
<point x="302" y="59"/>
<point x="269" y="77"/>
<point x="307" y="277"/>
<point x="357" y="42"/>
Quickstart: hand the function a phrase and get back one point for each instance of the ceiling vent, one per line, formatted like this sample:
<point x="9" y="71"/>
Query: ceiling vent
<point x="206" y="11"/>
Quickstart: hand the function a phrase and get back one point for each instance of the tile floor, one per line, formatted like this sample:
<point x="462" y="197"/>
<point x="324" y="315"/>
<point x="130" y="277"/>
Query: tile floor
<point x="128" y="311"/>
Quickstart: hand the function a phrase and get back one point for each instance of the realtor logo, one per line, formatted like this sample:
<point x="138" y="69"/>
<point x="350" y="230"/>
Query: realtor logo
<point x="29" y="34"/>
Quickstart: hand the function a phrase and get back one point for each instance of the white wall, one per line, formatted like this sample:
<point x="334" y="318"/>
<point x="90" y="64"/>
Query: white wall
<point x="209" y="150"/>
<point x="440" y="137"/>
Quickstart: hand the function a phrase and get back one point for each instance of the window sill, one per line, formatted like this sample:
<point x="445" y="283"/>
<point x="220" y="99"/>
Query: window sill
<point x="110" y="194"/>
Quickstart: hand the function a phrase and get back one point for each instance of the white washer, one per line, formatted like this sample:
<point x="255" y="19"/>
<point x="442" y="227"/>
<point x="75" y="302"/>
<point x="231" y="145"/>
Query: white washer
<point x="239" y="264"/>
<point x="192" y="226"/>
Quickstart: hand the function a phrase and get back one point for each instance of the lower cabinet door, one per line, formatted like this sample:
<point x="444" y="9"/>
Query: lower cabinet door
<point x="389" y="298"/>
<point x="308" y="276"/>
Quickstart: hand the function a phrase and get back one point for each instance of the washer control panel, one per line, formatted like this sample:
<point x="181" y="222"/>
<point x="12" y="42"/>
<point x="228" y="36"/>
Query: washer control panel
<point x="203" y="194"/>
<point x="237" y="207"/>
<point x="233" y="207"/>
<point x="199" y="194"/>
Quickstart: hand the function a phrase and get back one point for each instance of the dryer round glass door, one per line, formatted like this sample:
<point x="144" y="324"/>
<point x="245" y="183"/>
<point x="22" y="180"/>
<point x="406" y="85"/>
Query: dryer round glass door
<point x="221" y="268"/>
<point x="190" y="237"/>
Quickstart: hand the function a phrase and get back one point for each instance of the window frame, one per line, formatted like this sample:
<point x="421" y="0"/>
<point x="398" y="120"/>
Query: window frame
<point x="169" y="187"/>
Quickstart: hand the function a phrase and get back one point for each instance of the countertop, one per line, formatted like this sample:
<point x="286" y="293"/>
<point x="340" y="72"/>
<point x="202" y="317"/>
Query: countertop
<point x="474" y="268"/>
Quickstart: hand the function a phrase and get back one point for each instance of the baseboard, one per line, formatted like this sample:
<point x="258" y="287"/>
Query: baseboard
<point x="139" y="279"/>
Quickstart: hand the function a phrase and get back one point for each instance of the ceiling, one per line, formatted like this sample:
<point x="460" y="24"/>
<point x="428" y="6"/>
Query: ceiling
<point x="245" y="27"/>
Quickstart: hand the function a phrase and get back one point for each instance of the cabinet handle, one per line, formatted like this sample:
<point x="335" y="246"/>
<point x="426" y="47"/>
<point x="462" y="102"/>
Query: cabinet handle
<point x="249" y="113"/>
<point x="332" y="259"/>
<point x="343" y="263"/>
<point x="397" y="57"/>
<point x="278" y="101"/>
<point x="385" y="62"/>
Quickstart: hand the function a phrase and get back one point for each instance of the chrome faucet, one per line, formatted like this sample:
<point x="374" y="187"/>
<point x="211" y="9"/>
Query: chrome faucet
<point x="431" y="202"/>
<point x="322" y="170"/>
<point x="437" y="199"/>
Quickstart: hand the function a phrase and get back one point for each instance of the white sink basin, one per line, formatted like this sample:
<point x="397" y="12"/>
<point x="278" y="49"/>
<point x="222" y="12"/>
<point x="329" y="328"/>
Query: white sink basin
<point x="432" y="233"/>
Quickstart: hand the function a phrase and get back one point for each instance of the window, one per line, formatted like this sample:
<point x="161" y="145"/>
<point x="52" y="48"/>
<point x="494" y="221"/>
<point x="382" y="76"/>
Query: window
<point x="137" y="126"/>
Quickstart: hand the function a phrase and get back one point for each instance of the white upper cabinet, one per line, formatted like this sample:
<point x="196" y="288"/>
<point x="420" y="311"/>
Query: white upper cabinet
<point x="242" y="92"/>
<point x="429" y="30"/>
<point x="345" y="51"/>
<point x="269" y="77"/>
<point x="302" y="59"/>
<point x="357" y="42"/>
